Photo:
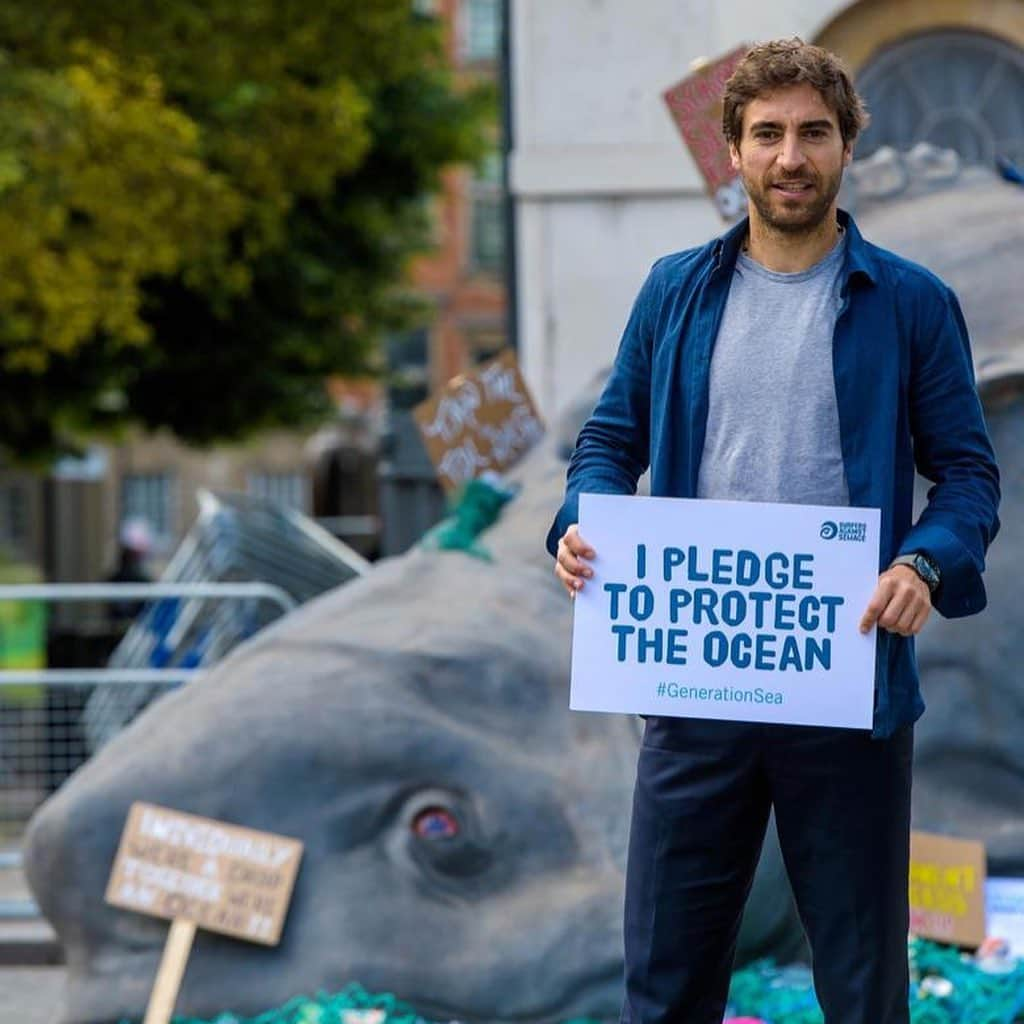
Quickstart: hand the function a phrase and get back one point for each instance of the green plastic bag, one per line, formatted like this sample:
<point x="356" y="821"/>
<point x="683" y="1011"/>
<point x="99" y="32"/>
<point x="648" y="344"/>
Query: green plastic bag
<point x="22" y="635"/>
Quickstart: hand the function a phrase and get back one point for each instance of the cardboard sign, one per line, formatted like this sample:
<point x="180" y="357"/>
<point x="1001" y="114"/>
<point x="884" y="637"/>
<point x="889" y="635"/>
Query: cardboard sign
<point x="738" y="610"/>
<point x="696" y="107"/>
<point x="221" y="877"/>
<point x="947" y="889"/>
<point x="484" y="420"/>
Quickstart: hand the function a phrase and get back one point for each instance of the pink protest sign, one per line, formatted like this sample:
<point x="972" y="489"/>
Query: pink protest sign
<point x="696" y="107"/>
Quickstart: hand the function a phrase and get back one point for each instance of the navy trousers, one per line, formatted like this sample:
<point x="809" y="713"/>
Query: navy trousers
<point x="703" y="794"/>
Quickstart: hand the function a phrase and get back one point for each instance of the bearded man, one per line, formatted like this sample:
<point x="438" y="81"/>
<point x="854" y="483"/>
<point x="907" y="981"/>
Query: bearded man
<point x="791" y="361"/>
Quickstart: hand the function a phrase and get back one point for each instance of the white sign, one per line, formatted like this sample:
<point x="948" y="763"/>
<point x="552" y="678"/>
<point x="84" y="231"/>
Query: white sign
<point x="1004" y="911"/>
<point x="726" y="609"/>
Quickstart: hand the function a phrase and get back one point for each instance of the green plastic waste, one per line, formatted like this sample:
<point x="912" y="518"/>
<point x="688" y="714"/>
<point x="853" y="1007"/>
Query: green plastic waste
<point x="22" y="634"/>
<point x="474" y="509"/>
<point x="352" y="1005"/>
<point x="947" y="987"/>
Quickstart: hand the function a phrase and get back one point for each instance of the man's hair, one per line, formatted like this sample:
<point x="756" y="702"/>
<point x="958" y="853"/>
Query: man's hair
<point x="786" y="62"/>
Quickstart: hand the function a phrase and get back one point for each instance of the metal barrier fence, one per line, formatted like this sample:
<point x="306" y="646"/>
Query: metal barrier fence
<point x="42" y="732"/>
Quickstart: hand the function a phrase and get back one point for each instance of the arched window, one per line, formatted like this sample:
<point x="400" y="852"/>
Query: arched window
<point x="957" y="89"/>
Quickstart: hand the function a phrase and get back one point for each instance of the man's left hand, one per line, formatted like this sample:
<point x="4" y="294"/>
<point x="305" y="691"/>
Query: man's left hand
<point x="901" y="602"/>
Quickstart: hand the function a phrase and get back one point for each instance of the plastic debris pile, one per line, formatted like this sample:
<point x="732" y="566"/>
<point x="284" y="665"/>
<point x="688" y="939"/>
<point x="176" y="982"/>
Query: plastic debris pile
<point x="946" y="987"/>
<point x="353" y="1005"/>
<point x="768" y="994"/>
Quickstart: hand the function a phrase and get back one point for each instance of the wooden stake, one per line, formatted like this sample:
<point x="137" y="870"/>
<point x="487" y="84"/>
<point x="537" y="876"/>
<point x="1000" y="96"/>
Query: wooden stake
<point x="172" y="970"/>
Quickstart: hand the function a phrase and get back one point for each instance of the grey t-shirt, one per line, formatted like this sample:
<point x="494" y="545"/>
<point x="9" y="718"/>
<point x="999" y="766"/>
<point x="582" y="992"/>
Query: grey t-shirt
<point x="773" y="422"/>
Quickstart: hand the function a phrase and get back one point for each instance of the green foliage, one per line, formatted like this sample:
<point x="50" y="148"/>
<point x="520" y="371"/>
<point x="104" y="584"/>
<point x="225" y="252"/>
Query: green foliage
<point x="208" y="205"/>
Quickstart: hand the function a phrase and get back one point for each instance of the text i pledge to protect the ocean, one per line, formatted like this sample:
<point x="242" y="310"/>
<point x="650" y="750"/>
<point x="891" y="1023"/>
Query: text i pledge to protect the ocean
<point x="726" y="609"/>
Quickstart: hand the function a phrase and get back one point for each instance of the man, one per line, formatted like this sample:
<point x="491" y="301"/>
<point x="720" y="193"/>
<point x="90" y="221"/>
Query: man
<point x="790" y="361"/>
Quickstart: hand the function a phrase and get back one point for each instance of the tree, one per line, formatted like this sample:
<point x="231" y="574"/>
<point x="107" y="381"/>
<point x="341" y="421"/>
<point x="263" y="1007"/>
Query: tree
<point x="207" y="205"/>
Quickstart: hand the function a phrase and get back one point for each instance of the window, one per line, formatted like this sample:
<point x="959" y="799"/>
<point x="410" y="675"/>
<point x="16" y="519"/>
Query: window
<point x="487" y="218"/>
<point x="150" y="496"/>
<point x="481" y="29"/>
<point x="954" y="89"/>
<point x="288" y="489"/>
<point x="408" y="355"/>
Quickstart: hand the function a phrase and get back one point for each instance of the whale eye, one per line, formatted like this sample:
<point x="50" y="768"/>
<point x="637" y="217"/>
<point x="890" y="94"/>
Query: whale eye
<point x="441" y="836"/>
<point x="435" y="823"/>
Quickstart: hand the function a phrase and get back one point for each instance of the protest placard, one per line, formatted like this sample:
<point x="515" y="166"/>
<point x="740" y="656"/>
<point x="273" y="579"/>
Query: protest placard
<point x="696" y="107"/>
<point x="947" y="889"/>
<point x="746" y="611"/>
<point x="195" y="871"/>
<point x="483" y="420"/>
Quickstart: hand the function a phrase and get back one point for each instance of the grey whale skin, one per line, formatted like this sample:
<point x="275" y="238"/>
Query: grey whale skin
<point x="441" y="681"/>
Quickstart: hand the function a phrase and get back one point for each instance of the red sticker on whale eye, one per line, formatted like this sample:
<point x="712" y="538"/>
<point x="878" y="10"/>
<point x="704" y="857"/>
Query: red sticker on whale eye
<point x="435" y="823"/>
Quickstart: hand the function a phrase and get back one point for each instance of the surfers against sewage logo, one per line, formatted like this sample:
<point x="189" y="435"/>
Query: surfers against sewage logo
<point x="844" y="531"/>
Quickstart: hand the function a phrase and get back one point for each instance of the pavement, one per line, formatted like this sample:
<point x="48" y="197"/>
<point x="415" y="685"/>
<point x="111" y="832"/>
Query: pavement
<point x="30" y="995"/>
<point x="31" y="978"/>
<point x="26" y="940"/>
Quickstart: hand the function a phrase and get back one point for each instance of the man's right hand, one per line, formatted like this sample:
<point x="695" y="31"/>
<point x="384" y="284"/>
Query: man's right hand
<point x="571" y="560"/>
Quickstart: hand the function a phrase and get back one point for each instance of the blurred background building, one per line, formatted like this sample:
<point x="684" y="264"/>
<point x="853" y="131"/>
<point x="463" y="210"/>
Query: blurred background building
<point x="464" y="280"/>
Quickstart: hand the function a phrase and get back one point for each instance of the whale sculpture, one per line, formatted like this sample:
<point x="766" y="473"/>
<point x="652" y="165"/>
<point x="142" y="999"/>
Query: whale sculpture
<point x="465" y="832"/>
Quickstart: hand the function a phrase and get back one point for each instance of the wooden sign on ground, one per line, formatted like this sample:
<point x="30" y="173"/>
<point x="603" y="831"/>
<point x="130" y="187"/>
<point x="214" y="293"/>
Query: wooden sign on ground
<point x="483" y="420"/>
<point x="197" y="872"/>
<point x="947" y="889"/>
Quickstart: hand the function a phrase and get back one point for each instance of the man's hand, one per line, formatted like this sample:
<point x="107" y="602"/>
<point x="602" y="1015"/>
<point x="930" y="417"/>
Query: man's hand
<point x="570" y="561"/>
<point x="901" y="603"/>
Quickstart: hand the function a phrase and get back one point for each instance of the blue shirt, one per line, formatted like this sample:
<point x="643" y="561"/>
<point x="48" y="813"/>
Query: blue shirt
<point x="905" y="390"/>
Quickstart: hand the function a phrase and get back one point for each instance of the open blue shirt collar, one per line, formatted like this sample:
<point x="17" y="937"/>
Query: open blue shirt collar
<point x="859" y="261"/>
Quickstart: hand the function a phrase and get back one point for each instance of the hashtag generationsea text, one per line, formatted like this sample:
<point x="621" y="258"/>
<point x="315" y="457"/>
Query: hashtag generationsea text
<point x="719" y="694"/>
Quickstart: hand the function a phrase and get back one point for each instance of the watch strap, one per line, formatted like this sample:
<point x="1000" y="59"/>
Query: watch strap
<point x="925" y="568"/>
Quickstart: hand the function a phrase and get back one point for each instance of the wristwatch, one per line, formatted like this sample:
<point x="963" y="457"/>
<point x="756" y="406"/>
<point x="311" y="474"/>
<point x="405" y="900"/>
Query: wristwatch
<point x="923" y="566"/>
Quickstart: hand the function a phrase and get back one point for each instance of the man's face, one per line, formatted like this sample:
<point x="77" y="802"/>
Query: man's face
<point x="791" y="157"/>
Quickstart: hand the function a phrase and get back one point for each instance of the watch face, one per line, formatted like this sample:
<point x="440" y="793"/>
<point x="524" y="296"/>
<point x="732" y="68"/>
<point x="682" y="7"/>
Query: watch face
<point x="926" y="571"/>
